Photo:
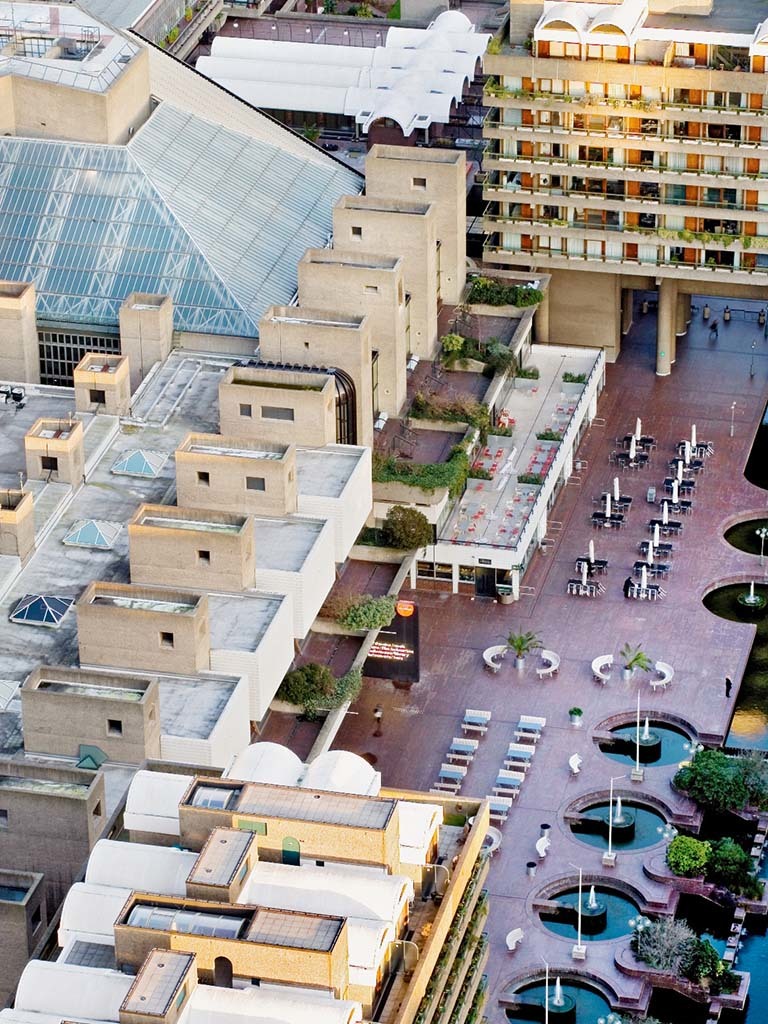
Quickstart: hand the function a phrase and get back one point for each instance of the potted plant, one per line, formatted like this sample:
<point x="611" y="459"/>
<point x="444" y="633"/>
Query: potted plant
<point x="575" y="714"/>
<point x="522" y="644"/>
<point x="634" y="658"/>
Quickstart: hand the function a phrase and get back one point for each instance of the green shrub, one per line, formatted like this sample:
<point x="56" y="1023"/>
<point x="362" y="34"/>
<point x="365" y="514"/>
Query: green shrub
<point x="700" y="960"/>
<point x="714" y="780"/>
<point x="688" y="857"/>
<point x="754" y="772"/>
<point x="487" y="292"/>
<point x="173" y="35"/>
<point x="527" y="372"/>
<point x="314" y="687"/>
<point x="730" y="865"/>
<point x="529" y="478"/>
<point x="452" y="343"/>
<point x="452" y="410"/>
<point x="369" y="613"/>
<point x="407" y="528"/>
<point x="478" y="473"/>
<point x="574" y="378"/>
<point x="427" y="477"/>
<point x="499" y="357"/>
<point x="394" y="11"/>
<point x="549" y="435"/>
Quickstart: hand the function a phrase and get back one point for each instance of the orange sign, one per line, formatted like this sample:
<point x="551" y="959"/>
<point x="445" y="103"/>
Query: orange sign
<point x="404" y="608"/>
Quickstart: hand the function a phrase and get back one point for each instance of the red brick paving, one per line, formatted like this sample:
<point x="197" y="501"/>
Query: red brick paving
<point x="418" y="724"/>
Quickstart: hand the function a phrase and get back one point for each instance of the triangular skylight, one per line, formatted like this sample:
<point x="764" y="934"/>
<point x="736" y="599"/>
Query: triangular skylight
<point x="8" y="690"/>
<point x="93" y="533"/>
<point x="139" y="462"/>
<point x="41" y="610"/>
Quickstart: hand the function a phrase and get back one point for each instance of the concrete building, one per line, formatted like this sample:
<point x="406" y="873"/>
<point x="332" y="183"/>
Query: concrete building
<point x="279" y="900"/>
<point x="626" y="150"/>
<point x="23" y="920"/>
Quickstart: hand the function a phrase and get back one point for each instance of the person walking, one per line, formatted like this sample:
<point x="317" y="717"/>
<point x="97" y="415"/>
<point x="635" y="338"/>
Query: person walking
<point x="714" y="327"/>
<point x="628" y="585"/>
<point x="728" y="687"/>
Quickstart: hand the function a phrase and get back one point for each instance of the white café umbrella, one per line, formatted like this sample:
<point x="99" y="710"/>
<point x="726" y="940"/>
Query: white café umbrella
<point x="616" y="491"/>
<point x="644" y="578"/>
<point x="632" y="448"/>
<point x="664" y="513"/>
<point x="638" y="428"/>
<point x="591" y="551"/>
<point x="693" y="435"/>
<point x="656" y="536"/>
<point x="584" y="573"/>
<point x="675" y="491"/>
<point x="687" y="453"/>
<point x="649" y="555"/>
<point x="608" y="506"/>
<point x="680" y="471"/>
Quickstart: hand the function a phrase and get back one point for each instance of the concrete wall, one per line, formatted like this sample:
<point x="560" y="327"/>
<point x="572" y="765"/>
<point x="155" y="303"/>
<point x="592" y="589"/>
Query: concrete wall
<point x="350" y="283"/>
<point x="66" y="447"/>
<point x="348" y="512"/>
<point x="22" y="924"/>
<point x="252" y="403"/>
<point x="436" y="176"/>
<point x="585" y="309"/>
<point x="231" y="733"/>
<point x="409" y="230"/>
<point x="17" y="524"/>
<point x="19" y="353"/>
<point x="103" y="383"/>
<point x="146" y="332"/>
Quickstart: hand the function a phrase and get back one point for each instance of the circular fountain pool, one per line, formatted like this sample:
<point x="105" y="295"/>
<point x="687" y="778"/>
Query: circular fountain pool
<point x="635" y="825"/>
<point x="660" y="744"/>
<point x="581" y="1004"/>
<point x="605" y="913"/>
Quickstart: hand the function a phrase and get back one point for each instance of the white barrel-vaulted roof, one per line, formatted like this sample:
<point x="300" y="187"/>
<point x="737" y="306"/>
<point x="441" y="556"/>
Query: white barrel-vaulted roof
<point x="266" y="762"/>
<point x="72" y="992"/>
<point x="273" y="1005"/>
<point x="162" y="869"/>
<point x="341" y="771"/>
<point x="152" y="804"/>
<point x="89" y="913"/>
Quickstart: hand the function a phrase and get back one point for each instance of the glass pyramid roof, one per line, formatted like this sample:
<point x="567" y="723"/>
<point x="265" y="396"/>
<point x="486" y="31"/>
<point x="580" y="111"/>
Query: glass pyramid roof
<point x="93" y="533"/>
<point x="41" y="610"/>
<point x="139" y="462"/>
<point x="215" y="219"/>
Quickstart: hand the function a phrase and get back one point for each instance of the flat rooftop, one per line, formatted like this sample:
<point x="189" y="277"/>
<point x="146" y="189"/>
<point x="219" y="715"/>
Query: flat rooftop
<point x="285" y="543"/>
<point x="238" y="623"/>
<point x="191" y="707"/>
<point x="732" y="16"/>
<point x="157" y="982"/>
<point x="325" y="472"/>
<point x="221" y="856"/>
<point x="314" y="805"/>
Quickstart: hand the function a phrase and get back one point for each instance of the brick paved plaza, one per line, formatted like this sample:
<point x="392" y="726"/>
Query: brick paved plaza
<point x="419" y="724"/>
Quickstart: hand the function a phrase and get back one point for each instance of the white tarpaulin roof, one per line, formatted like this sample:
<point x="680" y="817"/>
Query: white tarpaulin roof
<point x="340" y="771"/>
<point x="266" y="762"/>
<point x="418" y="823"/>
<point x="269" y="1006"/>
<point x="89" y="912"/>
<point x="69" y="991"/>
<point x="161" y="869"/>
<point x="152" y="804"/>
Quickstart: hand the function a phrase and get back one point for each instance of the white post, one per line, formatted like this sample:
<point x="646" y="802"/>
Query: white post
<point x="579" y="952"/>
<point x="609" y="857"/>
<point x="637" y="774"/>
<point x="546" y="992"/>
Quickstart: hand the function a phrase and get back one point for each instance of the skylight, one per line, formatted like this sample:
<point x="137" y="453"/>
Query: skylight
<point x="41" y="610"/>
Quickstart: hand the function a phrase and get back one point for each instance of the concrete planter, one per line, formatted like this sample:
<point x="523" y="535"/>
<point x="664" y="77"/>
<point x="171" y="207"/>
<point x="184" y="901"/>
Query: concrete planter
<point x="330" y="627"/>
<point x="406" y="494"/>
<point x="372" y="553"/>
<point x="467" y="366"/>
<point x="481" y="309"/>
<point x="576" y="721"/>
<point x="449" y="426"/>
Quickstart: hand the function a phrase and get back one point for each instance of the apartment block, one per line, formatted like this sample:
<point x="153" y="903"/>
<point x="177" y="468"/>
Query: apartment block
<point x="627" y="147"/>
<point x="340" y="280"/>
<point x="280" y="406"/>
<point x="313" y="337"/>
<point x="404" y="228"/>
<point x="436" y="176"/>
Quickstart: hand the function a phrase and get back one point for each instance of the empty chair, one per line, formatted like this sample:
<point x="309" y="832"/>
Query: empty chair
<point x="476" y="721"/>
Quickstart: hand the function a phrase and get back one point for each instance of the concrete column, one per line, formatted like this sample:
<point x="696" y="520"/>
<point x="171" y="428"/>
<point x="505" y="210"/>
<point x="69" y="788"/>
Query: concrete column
<point x="541" y="321"/>
<point x="568" y="463"/>
<point x="413" y="574"/>
<point x="454" y="579"/>
<point x="665" y="327"/>
<point x="541" y="528"/>
<point x="592" y="411"/>
<point x="682" y="314"/>
<point x="515" y="579"/>
<point x="627" y="302"/>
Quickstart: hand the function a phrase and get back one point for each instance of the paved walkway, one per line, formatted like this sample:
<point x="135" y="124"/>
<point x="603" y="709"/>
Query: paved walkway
<point x="418" y="724"/>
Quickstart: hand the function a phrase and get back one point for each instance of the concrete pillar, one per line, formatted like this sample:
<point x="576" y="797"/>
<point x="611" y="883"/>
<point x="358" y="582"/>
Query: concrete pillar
<point x="146" y="332"/>
<point x="682" y="314"/>
<point x="515" y="579"/>
<point x="592" y="411"/>
<point x="454" y="579"/>
<point x="541" y="321"/>
<point x="665" y="327"/>
<point x="413" y="575"/>
<point x="568" y="463"/>
<point x="19" y="352"/>
<point x="627" y="303"/>
<point x="541" y="527"/>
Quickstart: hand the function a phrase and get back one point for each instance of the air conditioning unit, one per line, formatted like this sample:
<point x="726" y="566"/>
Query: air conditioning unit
<point x="544" y="180"/>
<point x="545" y="117"/>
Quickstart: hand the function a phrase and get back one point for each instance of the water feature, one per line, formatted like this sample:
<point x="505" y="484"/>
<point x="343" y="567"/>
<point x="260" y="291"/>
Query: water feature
<point x="636" y="828"/>
<point x="582" y="1004"/>
<point x="709" y="920"/>
<point x="744" y="536"/>
<point x="753" y="957"/>
<point x="605" y="914"/>
<point x="664" y="744"/>
<point x="756" y="469"/>
<point x="749" y="726"/>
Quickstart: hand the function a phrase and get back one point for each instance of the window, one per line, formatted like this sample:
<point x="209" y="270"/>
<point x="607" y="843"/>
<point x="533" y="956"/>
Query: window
<point x="276" y="412"/>
<point x="181" y="996"/>
<point x="372" y="289"/>
<point x="166" y="639"/>
<point x="3" y="818"/>
<point x="204" y="557"/>
<point x="96" y="812"/>
<point x="246" y="410"/>
<point x="357" y="232"/>
<point x="50" y="463"/>
<point x="259" y="827"/>
<point x="97" y="395"/>
<point x="217" y="797"/>
<point x="255" y="483"/>
<point x="114" y="727"/>
<point x="419" y="183"/>
<point x="203" y="478"/>
<point x="36" y="919"/>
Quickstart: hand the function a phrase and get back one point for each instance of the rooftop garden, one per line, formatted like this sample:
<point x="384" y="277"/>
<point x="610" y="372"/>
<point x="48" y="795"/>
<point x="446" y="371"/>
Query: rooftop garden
<point x="430" y="476"/>
<point x="486" y="291"/>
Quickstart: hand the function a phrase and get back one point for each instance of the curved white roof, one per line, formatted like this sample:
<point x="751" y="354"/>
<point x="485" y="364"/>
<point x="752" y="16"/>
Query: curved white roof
<point x="161" y="869"/>
<point x="472" y="42"/>
<point x="368" y="943"/>
<point x="269" y="1006"/>
<point x="328" y="890"/>
<point x="266" y="762"/>
<point x="452" y="21"/>
<point x="70" y="991"/>
<point x="341" y="771"/>
<point x="152" y="804"/>
<point x="761" y="35"/>
<point x="418" y="823"/>
<point x="623" y="17"/>
<point x="575" y="16"/>
<point x="90" y="911"/>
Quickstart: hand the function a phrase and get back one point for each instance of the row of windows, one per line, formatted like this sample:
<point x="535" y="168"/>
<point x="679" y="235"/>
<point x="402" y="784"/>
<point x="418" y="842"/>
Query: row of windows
<point x="268" y="412"/>
<point x="61" y="351"/>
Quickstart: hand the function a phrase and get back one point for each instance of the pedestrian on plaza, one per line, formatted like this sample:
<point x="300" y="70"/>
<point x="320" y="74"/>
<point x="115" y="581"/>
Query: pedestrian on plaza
<point x="713" y="330"/>
<point x="628" y="586"/>
<point x="728" y="687"/>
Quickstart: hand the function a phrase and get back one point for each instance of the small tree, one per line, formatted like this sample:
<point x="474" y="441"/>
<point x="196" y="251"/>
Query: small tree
<point x="407" y="528"/>
<point x="714" y="780"/>
<point x="635" y="657"/>
<point x="730" y="865"/>
<point x="754" y="772"/>
<point x="523" y="643"/>
<point x="688" y="857"/>
<point x="369" y="613"/>
<point x="664" y="944"/>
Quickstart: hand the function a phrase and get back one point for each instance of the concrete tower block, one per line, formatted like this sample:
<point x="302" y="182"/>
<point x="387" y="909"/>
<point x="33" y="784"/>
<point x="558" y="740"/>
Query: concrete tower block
<point x="103" y="383"/>
<point x="146" y="332"/>
<point x="55" y="451"/>
<point x="19" y="353"/>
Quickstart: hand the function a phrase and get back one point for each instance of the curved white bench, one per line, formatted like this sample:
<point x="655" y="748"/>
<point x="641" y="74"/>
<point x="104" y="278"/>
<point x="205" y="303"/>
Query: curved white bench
<point x="575" y="762"/>
<point x="666" y="675"/>
<point x="550" y="663"/>
<point x="492" y="656"/>
<point x="601" y="668"/>
<point x="514" y="938"/>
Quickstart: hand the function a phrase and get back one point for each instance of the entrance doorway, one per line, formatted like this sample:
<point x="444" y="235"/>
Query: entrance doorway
<point x="485" y="582"/>
<point x="291" y="851"/>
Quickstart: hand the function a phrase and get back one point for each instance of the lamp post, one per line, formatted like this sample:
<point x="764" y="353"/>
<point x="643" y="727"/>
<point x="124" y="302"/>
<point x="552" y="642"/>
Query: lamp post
<point x="378" y="714"/>
<point x="637" y="774"/>
<point x="752" y="360"/>
<point x="579" y="951"/>
<point x="733" y="413"/>
<point x="609" y="857"/>
<point x="546" y="991"/>
<point x="762" y="533"/>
